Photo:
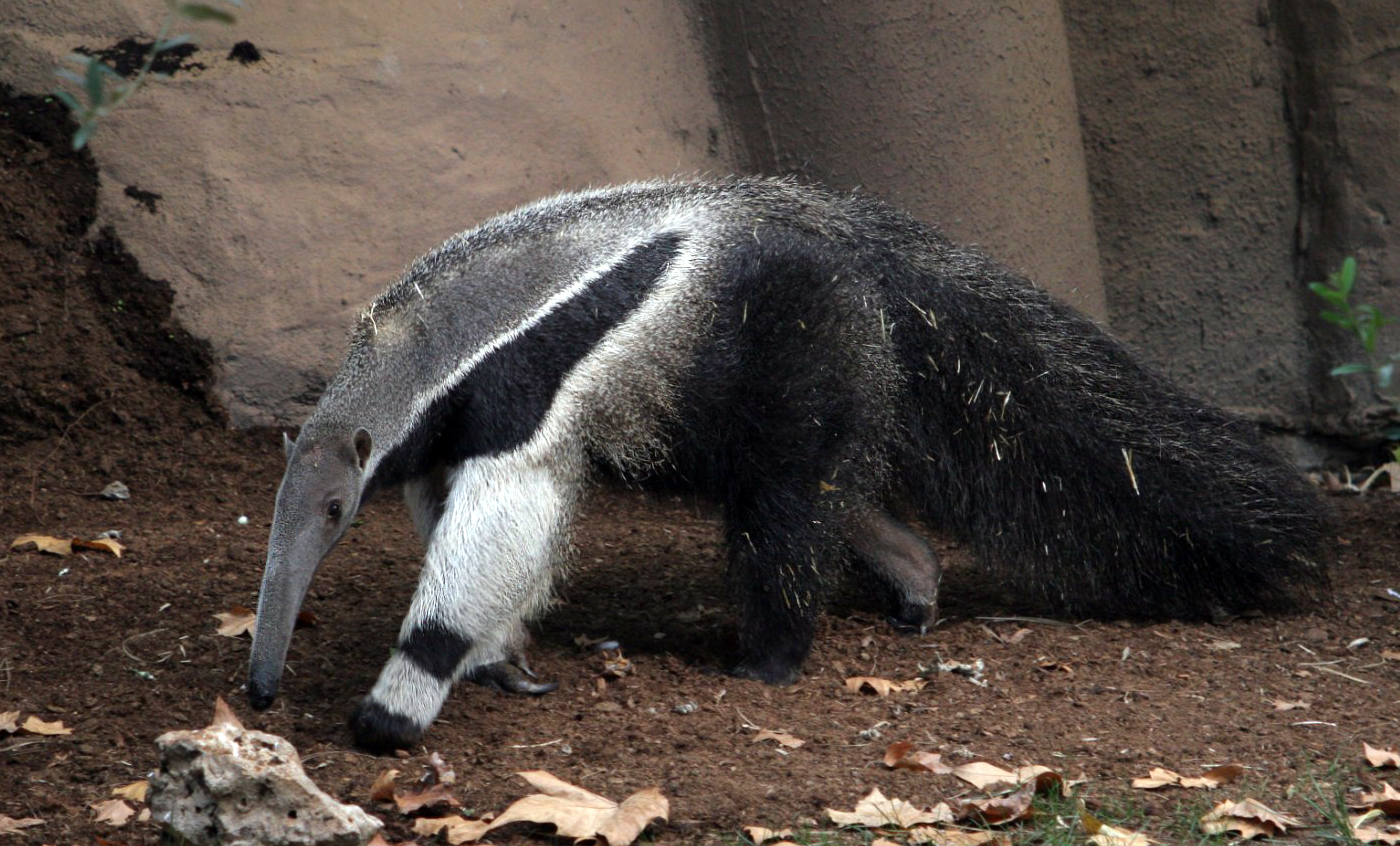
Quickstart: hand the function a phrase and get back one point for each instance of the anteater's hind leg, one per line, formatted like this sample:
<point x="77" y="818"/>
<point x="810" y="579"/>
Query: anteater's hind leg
<point x="903" y="562"/>
<point x="780" y="551"/>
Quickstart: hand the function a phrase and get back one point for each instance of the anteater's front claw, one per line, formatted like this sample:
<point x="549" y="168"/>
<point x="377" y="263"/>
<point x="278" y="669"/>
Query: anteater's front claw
<point x="513" y="676"/>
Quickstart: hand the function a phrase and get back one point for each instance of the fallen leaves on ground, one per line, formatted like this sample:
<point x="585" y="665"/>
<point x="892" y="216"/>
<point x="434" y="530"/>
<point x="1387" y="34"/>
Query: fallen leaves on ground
<point x="1249" y="818"/>
<point x="983" y="775"/>
<point x="1378" y="820"/>
<point x="456" y="830"/>
<point x="884" y="687"/>
<point x="875" y="811"/>
<point x="1290" y="705"/>
<point x="10" y="825"/>
<point x="434" y="788"/>
<point x="1387" y="801"/>
<point x="383" y="788"/>
<point x="42" y="543"/>
<point x="1374" y="827"/>
<point x="115" y="812"/>
<point x="1102" y="834"/>
<point x="578" y="813"/>
<point x="1381" y="757"/>
<point x="433" y="794"/>
<point x="760" y="835"/>
<point x="107" y="545"/>
<point x="903" y="756"/>
<point x="1210" y="779"/>
<point x="928" y="836"/>
<point x="34" y="725"/>
<point x="9" y="721"/>
<point x="136" y="791"/>
<point x="781" y="737"/>
<point x="998" y="810"/>
<point x="236" y="621"/>
<point x="64" y="546"/>
<point x="239" y="620"/>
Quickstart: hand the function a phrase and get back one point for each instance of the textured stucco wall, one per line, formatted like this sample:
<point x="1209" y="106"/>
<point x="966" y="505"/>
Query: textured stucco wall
<point x="1344" y="88"/>
<point x="960" y="111"/>
<point x="1194" y="189"/>
<point x="295" y="188"/>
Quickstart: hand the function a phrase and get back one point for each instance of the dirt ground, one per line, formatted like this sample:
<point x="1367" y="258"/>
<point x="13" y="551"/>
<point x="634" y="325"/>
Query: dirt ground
<point x="99" y="385"/>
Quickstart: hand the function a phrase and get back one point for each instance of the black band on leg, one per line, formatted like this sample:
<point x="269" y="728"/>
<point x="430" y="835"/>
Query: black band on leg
<point x="435" y="649"/>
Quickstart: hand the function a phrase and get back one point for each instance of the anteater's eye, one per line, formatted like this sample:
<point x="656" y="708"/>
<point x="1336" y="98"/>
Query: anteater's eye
<point x="333" y="510"/>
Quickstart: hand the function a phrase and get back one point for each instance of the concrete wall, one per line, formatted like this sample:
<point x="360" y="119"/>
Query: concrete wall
<point x="962" y="112"/>
<point x="293" y="189"/>
<point x="1195" y="197"/>
<point x="1343" y="83"/>
<point x="1181" y="168"/>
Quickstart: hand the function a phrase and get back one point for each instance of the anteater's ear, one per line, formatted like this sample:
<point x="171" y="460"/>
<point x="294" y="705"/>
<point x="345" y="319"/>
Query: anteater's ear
<point x="288" y="445"/>
<point x="363" y="444"/>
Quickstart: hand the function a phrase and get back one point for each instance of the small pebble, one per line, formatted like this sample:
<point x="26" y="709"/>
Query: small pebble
<point x="243" y="519"/>
<point x="686" y="708"/>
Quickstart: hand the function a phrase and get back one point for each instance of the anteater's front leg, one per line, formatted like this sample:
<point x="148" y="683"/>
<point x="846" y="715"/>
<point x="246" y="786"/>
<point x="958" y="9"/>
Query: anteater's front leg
<point x="488" y="567"/>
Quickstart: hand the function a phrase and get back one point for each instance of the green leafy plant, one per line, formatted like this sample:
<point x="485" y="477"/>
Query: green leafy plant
<point x="1363" y="321"/>
<point x="101" y="89"/>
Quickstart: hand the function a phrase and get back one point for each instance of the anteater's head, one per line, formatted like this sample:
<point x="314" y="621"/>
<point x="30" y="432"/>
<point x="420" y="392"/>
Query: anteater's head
<point x="320" y="495"/>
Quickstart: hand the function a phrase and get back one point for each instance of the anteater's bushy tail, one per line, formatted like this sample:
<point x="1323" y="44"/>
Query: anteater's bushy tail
<point x="1073" y="468"/>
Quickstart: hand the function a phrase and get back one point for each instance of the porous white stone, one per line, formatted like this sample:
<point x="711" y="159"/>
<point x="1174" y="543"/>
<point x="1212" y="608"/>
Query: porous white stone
<point x="224" y="785"/>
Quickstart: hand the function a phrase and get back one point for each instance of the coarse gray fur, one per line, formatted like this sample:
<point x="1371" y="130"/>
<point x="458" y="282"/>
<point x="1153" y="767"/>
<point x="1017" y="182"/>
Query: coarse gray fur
<point x="813" y="362"/>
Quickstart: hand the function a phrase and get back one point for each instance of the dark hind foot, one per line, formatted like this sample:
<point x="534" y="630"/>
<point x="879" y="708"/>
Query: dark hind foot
<point x="768" y="672"/>
<point x="377" y="729"/>
<point x="511" y="676"/>
<point x="904" y="564"/>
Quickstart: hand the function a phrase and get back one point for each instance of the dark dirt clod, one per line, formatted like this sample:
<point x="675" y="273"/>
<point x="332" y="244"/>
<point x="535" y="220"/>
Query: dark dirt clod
<point x="126" y="57"/>
<point x="97" y="382"/>
<point x="148" y="199"/>
<point x="245" y="52"/>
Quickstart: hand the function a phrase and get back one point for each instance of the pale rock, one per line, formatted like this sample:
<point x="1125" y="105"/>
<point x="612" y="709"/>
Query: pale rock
<point x="224" y="785"/>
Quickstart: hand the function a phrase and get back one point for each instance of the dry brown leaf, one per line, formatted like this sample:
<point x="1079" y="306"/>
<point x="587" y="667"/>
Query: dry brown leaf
<point x="928" y="836"/>
<point x="1287" y="705"/>
<point x="10" y="825"/>
<point x="1390" y="655"/>
<point x="782" y="738"/>
<point x="577" y="813"/>
<point x="107" y="545"/>
<point x="1250" y="818"/>
<point x="383" y="788"/>
<point x="1211" y="779"/>
<point x="236" y="621"/>
<point x="998" y="810"/>
<point x="433" y="794"/>
<point x="903" y="756"/>
<point x="884" y="687"/>
<point x="439" y="771"/>
<point x="1155" y="778"/>
<point x="136" y="791"/>
<point x="1373" y="827"/>
<point x="114" y="812"/>
<point x="982" y="774"/>
<point x="1387" y="801"/>
<point x="34" y="725"/>
<point x="8" y="721"/>
<point x="1108" y="835"/>
<point x="43" y="543"/>
<point x="223" y="714"/>
<point x="875" y="811"/>
<point x="1381" y="757"/>
<point x="760" y="835"/>
<point x="1102" y="834"/>
<point x="458" y="829"/>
